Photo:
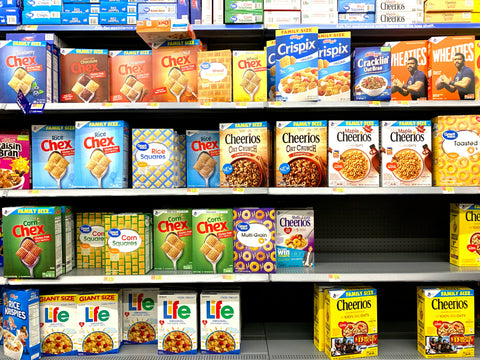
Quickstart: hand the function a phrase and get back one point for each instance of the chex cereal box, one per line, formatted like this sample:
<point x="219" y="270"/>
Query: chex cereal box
<point x="465" y="234"/>
<point x="90" y="239"/>
<point x="353" y="153"/>
<point x="21" y="325"/>
<point x="319" y="293"/>
<point x="177" y="322"/>
<point x="139" y="316"/>
<point x="58" y="324"/>
<point x="213" y="234"/>
<point x="456" y="150"/>
<point x="245" y="154"/>
<point x="203" y="158"/>
<point x="450" y="68"/>
<point x="101" y="156"/>
<point x="351" y="328"/>
<point x="131" y="76"/>
<point x="249" y="76"/>
<point x="295" y="238"/>
<point x="172" y="239"/>
<point x="409" y="66"/>
<point x="128" y="239"/>
<point x="99" y="328"/>
<point x="406" y="154"/>
<point x="220" y="330"/>
<point x="477" y="69"/>
<point x="372" y="73"/>
<point x="215" y="76"/>
<point x="15" y="160"/>
<point x="334" y="66"/>
<point x="53" y="155"/>
<point x="301" y="154"/>
<point x="182" y="160"/>
<point x="445" y="321"/>
<point x="32" y="241"/>
<point x="296" y="65"/>
<point x="271" y="50"/>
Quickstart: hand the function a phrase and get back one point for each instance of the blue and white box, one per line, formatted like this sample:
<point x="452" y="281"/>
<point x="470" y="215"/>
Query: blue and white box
<point x="41" y="16"/>
<point x="372" y="72"/>
<point x="80" y="18"/>
<point x="203" y="159"/>
<point x="183" y="9"/>
<point x="10" y="3"/>
<point x="356" y="6"/>
<point x="81" y="8"/>
<point x="157" y="9"/>
<point x="117" y="18"/>
<point x="10" y="16"/>
<point x="117" y="6"/>
<point x="195" y="12"/>
<point x="52" y="5"/>
<point x="365" y="18"/>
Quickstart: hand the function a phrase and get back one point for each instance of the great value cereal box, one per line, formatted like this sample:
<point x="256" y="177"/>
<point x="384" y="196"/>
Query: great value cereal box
<point x="215" y="76"/>
<point x="271" y="50"/>
<point x="448" y="17"/>
<point x="465" y="234"/>
<point x="90" y="241"/>
<point x="356" y="6"/>
<point x="372" y="73"/>
<point x="203" y="158"/>
<point x="249" y="76"/>
<point x="445" y="5"/>
<point x="140" y="316"/>
<point x="445" y="321"/>
<point x="15" y="160"/>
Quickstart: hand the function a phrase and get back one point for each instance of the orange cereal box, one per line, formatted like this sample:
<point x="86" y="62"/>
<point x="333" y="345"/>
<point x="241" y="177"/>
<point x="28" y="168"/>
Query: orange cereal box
<point x="477" y="69"/>
<point x="249" y="76"/>
<point x="215" y="76"/>
<point x="450" y="68"/>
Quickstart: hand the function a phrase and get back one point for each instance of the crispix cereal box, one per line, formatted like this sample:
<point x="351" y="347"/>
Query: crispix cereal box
<point x="465" y="234"/>
<point x="271" y="49"/>
<point x="140" y="316"/>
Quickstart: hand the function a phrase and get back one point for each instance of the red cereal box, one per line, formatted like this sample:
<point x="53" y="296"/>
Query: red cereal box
<point x="15" y="160"/>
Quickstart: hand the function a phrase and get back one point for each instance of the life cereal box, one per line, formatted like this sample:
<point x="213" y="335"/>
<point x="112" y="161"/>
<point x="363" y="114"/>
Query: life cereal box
<point x="254" y="243"/>
<point x="220" y="330"/>
<point x="319" y="293"/>
<point x="409" y="69"/>
<point x="372" y="73"/>
<point x="477" y="69"/>
<point x="353" y="157"/>
<point x="445" y="321"/>
<point x="140" y="316"/>
<point x="271" y="49"/>
<point x="334" y="66"/>
<point x="177" y="322"/>
<point x="15" y="160"/>
<point x="296" y="65"/>
<point x="215" y="76"/>
<point x="406" y="153"/>
<point x="301" y="153"/>
<point x="249" y="76"/>
<point x="203" y="158"/>
<point x="351" y="328"/>
<point x="465" y="234"/>
<point x="450" y="68"/>
<point x="90" y="242"/>
<point x="456" y="150"/>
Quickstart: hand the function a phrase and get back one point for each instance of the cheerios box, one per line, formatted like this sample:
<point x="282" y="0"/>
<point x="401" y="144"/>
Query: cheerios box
<point x="139" y="315"/>
<point x="177" y="322"/>
<point x="220" y="322"/>
<point x="249" y="75"/>
<point x="372" y="73"/>
<point x="203" y="158"/>
<point x="465" y="234"/>
<point x="90" y="239"/>
<point x="15" y="159"/>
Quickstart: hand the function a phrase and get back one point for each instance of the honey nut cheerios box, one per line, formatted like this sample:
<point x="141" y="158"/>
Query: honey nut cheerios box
<point x="15" y="161"/>
<point x="90" y="240"/>
<point x="351" y="326"/>
<point x="465" y="234"/>
<point x="139" y="316"/>
<point x="249" y="76"/>
<point x="445" y="322"/>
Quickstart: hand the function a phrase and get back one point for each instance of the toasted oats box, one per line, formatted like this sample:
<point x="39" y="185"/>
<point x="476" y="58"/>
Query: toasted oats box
<point x="319" y="293"/>
<point x="301" y="154"/>
<point x="351" y="329"/>
<point x="465" y="234"/>
<point x="139" y="316"/>
<point x="445" y="321"/>
<point x="177" y="322"/>
<point x="203" y="158"/>
<point x="215" y="76"/>
<point x="15" y="160"/>
<point x="448" y="17"/>
<point x="406" y="154"/>
<point x="353" y="155"/>
<point x="249" y="76"/>
<point x="372" y="73"/>
<point x="90" y="242"/>
<point x="220" y="329"/>
<point x="271" y="50"/>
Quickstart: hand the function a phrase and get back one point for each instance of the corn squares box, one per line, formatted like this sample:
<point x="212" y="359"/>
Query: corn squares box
<point x="372" y="73"/>
<point x="319" y="293"/>
<point x="32" y="241"/>
<point x="254" y="242"/>
<point x="203" y="158"/>
<point x="445" y="321"/>
<point x="177" y="322"/>
<point x="456" y="150"/>
<point x="465" y="234"/>
<point x="477" y="69"/>
<point x="215" y="76"/>
<point x="101" y="156"/>
<point x="351" y="328"/>
<point x="182" y="160"/>
<point x="445" y="5"/>
<point x="140" y="316"/>
<point x="172" y="239"/>
<point x="220" y="329"/>
<point x="15" y="160"/>
<point x="271" y="49"/>
<point x="128" y="244"/>
<point x="68" y="242"/>
<point x="58" y="324"/>
<point x="249" y="76"/>
<point x="90" y="240"/>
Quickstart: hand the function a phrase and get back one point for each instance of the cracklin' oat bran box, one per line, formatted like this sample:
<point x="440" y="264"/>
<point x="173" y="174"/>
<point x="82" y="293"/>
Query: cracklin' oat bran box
<point x="465" y="234"/>
<point x="445" y="321"/>
<point x="90" y="240"/>
<point x="140" y="316"/>
<point x="372" y="73"/>
<point x="249" y="76"/>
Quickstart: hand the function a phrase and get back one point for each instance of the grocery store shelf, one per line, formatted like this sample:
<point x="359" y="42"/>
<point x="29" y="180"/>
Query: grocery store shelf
<point x="407" y="190"/>
<point x="68" y="28"/>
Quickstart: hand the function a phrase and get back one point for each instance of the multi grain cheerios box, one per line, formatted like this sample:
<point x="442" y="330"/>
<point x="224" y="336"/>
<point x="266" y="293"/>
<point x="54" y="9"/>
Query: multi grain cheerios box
<point x="445" y="321"/>
<point x="249" y="76"/>
<point x="465" y="234"/>
<point x="203" y="158"/>
<point x="353" y="155"/>
<point x="351" y="328"/>
<point x="406" y="153"/>
<point x="271" y="49"/>
<point x="220" y="319"/>
<point x="140" y="316"/>
<point x="372" y="73"/>
<point x="15" y="160"/>
<point x="90" y="240"/>
<point x="177" y="322"/>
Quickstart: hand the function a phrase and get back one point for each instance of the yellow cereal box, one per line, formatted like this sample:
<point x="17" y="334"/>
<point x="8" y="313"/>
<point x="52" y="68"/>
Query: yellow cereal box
<point x="319" y="316"/>
<point x="249" y="76"/>
<point x="465" y="234"/>
<point x="448" y="5"/>
<point x="351" y="329"/>
<point x="445" y="322"/>
<point x="448" y="17"/>
<point x="477" y="68"/>
<point x="90" y="240"/>
<point x="215" y="76"/>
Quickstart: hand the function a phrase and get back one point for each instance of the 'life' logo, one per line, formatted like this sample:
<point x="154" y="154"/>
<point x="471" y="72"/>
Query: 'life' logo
<point x="94" y="314"/>
<point x="216" y="310"/>
<point x="172" y="310"/>
<point x="136" y="302"/>
<point x="53" y="315"/>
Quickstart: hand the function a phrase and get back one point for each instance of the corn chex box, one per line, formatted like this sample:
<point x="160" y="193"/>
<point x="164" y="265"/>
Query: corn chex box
<point x="90" y="240"/>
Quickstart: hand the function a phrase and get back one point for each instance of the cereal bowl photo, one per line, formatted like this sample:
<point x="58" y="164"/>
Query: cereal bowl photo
<point x="97" y="342"/>
<point x="57" y="343"/>
<point x="245" y="172"/>
<point x="334" y="86"/>
<point x="373" y="85"/>
<point x="141" y="332"/>
<point x="408" y="165"/>
<point x="10" y="180"/>
<point x="303" y="172"/>
<point x="12" y="347"/>
<point x="220" y="342"/>
<point x="177" y="342"/>
<point x="354" y="165"/>
<point x="296" y="241"/>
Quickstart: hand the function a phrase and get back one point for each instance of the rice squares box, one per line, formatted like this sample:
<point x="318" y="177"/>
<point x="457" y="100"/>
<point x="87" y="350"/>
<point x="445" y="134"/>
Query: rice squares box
<point x="464" y="234"/>
<point x="140" y="316"/>
<point x="372" y="73"/>
<point x="203" y="158"/>
<point x="15" y="160"/>
<point x="90" y="240"/>
<point x="249" y="76"/>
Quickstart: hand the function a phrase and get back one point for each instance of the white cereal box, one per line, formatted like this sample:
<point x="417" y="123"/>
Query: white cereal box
<point x="203" y="158"/>
<point x="140" y="316"/>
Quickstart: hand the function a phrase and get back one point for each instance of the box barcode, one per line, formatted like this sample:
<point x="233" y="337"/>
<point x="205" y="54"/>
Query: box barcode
<point x="131" y="20"/>
<point x="257" y="6"/>
<point x="93" y="20"/>
<point x="12" y="20"/>
<point x="131" y="9"/>
<point x="95" y="10"/>
<point x="258" y="18"/>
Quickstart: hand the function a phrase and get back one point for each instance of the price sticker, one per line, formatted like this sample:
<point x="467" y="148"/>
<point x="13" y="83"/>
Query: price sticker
<point x="238" y="190"/>
<point x="152" y="105"/>
<point x="333" y="277"/>
<point x="16" y="281"/>
<point x="227" y="277"/>
<point x="156" y="278"/>
<point x="404" y="103"/>
<point x="240" y="104"/>
<point x="31" y="27"/>
<point x="275" y="103"/>
<point x="448" y="190"/>
<point x="34" y="191"/>
<point x="192" y="191"/>
<point x="206" y="104"/>
<point x="272" y="26"/>
<point x="109" y="105"/>
<point x="374" y="103"/>
<point x="109" y="278"/>
<point x="339" y="190"/>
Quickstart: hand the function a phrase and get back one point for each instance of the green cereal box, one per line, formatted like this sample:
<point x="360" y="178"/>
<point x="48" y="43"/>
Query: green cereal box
<point x="128" y="244"/>
<point x="172" y="239"/>
<point x="90" y="240"/>
<point x="212" y="241"/>
<point x="32" y="241"/>
<point x="67" y="239"/>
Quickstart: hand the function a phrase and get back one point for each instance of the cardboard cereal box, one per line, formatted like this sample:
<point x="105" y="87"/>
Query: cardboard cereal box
<point x="90" y="241"/>
<point x="213" y="233"/>
<point x="296" y="65"/>
<point x="477" y="69"/>
<point x="372" y="73"/>
<point x="450" y="68"/>
<point x="249" y="76"/>
<point x="220" y="322"/>
<point x="32" y="241"/>
<point x="254" y="242"/>
<point x="182" y="160"/>
<point x="465" y="234"/>
<point x="301" y="153"/>
<point x="178" y="319"/>
<point x="445" y="321"/>
<point x="356" y="6"/>
<point x="456" y="150"/>
<point x="140" y="316"/>
<point x="353" y="156"/>
<point x="58" y="324"/>
<point x="172" y="239"/>
<point x="445" y="5"/>
<point x="448" y="17"/>
<point x="215" y="76"/>
<point x="319" y="293"/>
<point x="406" y="154"/>
<point x="245" y="154"/>
<point x="68" y="243"/>
<point x="15" y="160"/>
<point x="203" y="158"/>
<point x="1" y="253"/>
<point x="271" y="49"/>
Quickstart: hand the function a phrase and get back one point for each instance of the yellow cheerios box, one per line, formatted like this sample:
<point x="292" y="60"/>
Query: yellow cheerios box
<point x="249" y="76"/>
<point x="445" y="322"/>
<point x="465" y="234"/>
<point x="319" y="316"/>
<point x="351" y="329"/>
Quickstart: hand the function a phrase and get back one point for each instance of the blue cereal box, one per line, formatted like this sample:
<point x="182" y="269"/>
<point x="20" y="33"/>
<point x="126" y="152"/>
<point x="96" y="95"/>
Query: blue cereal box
<point x="203" y="159"/>
<point x="271" y="49"/>
<point x="356" y="6"/>
<point x="296" y="65"/>
<point x="10" y="16"/>
<point x="372" y="73"/>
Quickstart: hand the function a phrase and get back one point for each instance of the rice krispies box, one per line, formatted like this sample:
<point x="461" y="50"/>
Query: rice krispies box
<point x="140" y="316"/>
<point x="372" y="73"/>
<point x="465" y="234"/>
<point x="203" y="158"/>
<point x="90" y="240"/>
<point x="15" y="160"/>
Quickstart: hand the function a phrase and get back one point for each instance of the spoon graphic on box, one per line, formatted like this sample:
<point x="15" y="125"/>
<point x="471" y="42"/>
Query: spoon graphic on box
<point x="98" y="165"/>
<point x="56" y="166"/>
<point x="212" y="249"/>
<point x="173" y="248"/>
<point x="205" y="166"/>
<point x="29" y="253"/>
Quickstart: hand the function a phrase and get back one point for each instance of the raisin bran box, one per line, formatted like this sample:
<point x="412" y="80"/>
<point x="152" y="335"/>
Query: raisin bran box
<point x="140" y="316"/>
<point x="203" y="158"/>
<point x="15" y="160"/>
<point x="372" y="73"/>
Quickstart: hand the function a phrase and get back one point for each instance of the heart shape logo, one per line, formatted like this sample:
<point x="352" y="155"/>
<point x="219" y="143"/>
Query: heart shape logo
<point x="81" y="324"/>
<point x="437" y="324"/>
<point x="392" y="166"/>
<point x="342" y="325"/>
<point x="161" y="322"/>
<point x="287" y="230"/>
<point x="338" y="166"/>
<point x="204" y="322"/>
<point x="127" y="313"/>
<point x="472" y="248"/>
<point x="41" y="324"/>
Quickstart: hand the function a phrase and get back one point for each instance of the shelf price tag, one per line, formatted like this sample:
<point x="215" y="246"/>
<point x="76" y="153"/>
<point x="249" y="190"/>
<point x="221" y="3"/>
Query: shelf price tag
<point x="339" y="190"/>
<point x="152" y="105"/>
<point x="108" y="104"/>
<point x="15" y="281"/>
<point x="31" y="27"/>
<point x="404" y="103"/>
<point x="227" y="277"/>
<point x="156" y="278"/>
<point x="333" y="277"/>
<point x="275" y="103"/>
<point x="238" y="190"/>
<point x="272" y="26"/>
<point x="448" y="190"/>
<point x="33" y="191"/>
<point x="374" y="103"/>
<point x="109" y="278"/>
<point x="192" y="191"/>
<point x="206" y="104"/>
<point x="241" y="105"/>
